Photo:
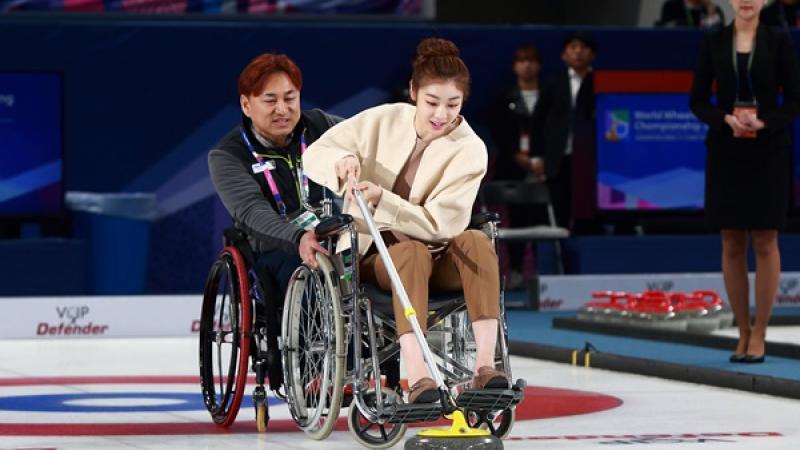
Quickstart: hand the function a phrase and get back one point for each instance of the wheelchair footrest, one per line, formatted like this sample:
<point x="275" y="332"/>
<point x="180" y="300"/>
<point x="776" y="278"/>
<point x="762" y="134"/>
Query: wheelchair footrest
<point x="413" y="412"/>
<point x="489" y="399"/>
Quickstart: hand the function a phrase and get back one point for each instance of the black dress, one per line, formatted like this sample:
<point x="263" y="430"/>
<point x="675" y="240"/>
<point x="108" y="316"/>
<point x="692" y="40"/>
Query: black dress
<point x="747" y="180"/>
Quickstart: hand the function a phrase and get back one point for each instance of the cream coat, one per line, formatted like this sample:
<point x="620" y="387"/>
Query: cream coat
<point x="382" y="138"/>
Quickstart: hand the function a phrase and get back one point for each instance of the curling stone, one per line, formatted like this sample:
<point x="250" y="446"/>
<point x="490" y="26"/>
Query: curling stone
<point x="458" y="437"/>
<point x="717" y="307"/>
<point x="609" y="310"/>
<point x="454" y="443"/>
<point x="695" y="311"/>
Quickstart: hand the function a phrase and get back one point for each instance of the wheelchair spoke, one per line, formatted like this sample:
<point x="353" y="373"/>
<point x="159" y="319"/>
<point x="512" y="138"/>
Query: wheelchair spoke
<point x="362" y="431"/>
<point x="490" y="425"/>
<point x="383" y="431"/>
<point x="221" y="374"/>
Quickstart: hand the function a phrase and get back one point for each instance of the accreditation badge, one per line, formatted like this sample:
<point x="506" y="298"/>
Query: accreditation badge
<point x="305" y="220"/>
<point x="262" y="166"/>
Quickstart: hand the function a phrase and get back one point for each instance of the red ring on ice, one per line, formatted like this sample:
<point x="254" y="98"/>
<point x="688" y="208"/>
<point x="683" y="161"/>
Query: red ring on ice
<point x="539" y="403"/>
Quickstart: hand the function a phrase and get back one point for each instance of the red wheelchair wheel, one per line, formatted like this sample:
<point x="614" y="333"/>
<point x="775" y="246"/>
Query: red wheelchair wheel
<point x="225" y="330"/>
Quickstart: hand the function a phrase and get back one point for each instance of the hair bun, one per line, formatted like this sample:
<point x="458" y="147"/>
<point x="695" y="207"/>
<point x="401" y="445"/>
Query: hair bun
<point x="435" y="47"/>
<point x="438" y="60"/>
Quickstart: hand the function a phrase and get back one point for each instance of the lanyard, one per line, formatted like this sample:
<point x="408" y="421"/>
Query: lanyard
<point x="749" y="66"/>
<point x="273" y="187"/>
<point x="299" y="169"/>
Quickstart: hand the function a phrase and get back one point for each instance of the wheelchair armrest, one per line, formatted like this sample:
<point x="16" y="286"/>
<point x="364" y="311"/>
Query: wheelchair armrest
<point x="238" y="238"/>
<point x="233" y="235"/>
<point x="332" y="225"/>
<point x="481" y="219"/>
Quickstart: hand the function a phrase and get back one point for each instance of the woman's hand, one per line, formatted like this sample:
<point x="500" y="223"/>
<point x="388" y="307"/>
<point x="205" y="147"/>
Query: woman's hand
<point x="738" y="127"/>
<point x="347" y="166"/>
<point x="370" y="191"/>
<point x="750" y="120"/>
<point x="308" y="248"/>
<point x="537" y="166"/>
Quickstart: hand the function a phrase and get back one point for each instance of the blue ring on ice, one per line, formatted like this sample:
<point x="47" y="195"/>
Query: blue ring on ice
<point x="108" y="402"/>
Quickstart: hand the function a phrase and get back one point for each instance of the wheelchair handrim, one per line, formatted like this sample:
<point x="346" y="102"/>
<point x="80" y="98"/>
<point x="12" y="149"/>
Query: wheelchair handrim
<point x="330" y="376"/>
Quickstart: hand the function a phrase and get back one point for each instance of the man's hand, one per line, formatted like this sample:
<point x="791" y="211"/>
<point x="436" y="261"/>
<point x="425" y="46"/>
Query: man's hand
<point x="308" y="248"/>
<point x="347" y="166"/>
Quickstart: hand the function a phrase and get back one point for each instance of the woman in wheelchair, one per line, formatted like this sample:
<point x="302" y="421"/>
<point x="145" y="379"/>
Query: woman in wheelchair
<point x="419" y="168"/>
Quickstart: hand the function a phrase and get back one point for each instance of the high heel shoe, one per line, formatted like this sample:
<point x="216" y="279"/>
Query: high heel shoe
<point x="753" y="359"/>
<point x="737" y="357"/>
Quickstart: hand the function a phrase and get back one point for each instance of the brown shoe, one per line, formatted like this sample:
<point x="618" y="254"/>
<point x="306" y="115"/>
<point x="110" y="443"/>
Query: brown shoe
<point x="423" y="391"/>
<point x="490" y="378"/>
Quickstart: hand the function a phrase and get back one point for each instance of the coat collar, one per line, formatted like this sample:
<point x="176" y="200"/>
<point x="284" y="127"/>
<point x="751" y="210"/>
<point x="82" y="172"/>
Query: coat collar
<point x="438" y="151"/>
<point x="726" y="33"/>
<point x="257" y="141"/>
<point x="726" y="44"/>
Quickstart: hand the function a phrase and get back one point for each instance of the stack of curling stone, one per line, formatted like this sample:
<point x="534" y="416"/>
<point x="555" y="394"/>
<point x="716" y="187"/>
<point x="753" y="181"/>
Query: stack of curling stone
<point x="613" y="309"/>
<point x="701" y="311"/>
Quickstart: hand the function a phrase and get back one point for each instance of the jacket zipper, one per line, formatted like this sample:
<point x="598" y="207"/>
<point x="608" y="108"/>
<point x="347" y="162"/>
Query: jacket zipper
<point x="290" y="162"/>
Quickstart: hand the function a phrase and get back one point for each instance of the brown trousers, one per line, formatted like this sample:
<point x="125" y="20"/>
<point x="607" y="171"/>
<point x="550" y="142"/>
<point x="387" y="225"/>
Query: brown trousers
<point x="469" y="262"/>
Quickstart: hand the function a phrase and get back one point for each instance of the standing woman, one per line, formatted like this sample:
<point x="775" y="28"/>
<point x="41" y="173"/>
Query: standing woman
<point x="748" y="159"/>
<point x="419" y="168"/>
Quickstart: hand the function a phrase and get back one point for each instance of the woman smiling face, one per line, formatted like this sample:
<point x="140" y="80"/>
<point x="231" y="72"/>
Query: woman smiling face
<point x="438" y="106"/>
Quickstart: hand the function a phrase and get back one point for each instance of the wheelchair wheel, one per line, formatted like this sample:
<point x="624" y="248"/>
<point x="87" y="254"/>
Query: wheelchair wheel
<point x="314" y="348"/>
<point x="375" y="435"/>
<point x="499" y="423"/>
<point x="225" y="322"/>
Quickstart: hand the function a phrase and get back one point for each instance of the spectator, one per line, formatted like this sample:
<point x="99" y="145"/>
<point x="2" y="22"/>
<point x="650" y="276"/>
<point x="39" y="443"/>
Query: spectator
<point x="511" y="124"/>
<point x="782" y="14"/>
<point x="690" y="13"/>
<point x="562" y="140"/>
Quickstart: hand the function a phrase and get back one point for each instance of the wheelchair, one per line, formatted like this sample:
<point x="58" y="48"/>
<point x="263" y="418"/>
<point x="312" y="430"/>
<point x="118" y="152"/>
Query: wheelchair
<point x="339" y="348"/>
<point x="239" y="331"/>
<point x="335" y="345"/>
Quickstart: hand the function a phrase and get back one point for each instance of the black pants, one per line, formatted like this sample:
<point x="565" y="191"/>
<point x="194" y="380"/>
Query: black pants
<point x="560" y="187"/>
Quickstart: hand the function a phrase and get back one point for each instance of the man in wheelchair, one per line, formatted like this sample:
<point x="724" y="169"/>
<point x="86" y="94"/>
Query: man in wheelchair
<point x="420" y="167"/>
<point x="257" y="168"/>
